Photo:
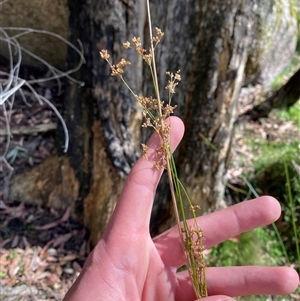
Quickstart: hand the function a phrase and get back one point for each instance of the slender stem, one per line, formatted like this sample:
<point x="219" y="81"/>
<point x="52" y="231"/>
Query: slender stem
<point x="292" y="209"/>
<point x="199" y="288"/>
<point x="127" y="86"/>
<point x="170" y="178"/>
<point x="279" y="238"/>
<point x="153" y="61"/>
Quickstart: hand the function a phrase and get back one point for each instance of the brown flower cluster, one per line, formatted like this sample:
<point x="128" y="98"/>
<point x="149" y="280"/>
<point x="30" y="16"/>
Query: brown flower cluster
<point x="152" y="118"/>
<point x="154" y="112"/>
<point x="194" y="249"/>
<point x="175" y="78"/>
<point x="118" y="69"/>
<point x="158" y="37"/>
<point x="145" y="151"/>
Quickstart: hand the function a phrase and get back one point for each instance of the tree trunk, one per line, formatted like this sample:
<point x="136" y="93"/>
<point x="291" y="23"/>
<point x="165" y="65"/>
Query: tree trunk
<point x="223" y="42"/>
<point x="208" y="42"/>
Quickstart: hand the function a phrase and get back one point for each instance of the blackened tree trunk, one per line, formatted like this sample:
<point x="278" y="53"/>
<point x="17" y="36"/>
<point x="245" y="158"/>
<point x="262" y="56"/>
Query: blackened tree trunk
<point x="103" y="117"/>
<point x="208" y="41"/>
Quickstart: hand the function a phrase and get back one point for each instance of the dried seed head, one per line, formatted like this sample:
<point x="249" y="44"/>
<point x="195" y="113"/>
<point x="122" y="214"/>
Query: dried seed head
<point x="123" y="63"/>
<point x="177" y="76"/>
<point x="141" y="51"/>
<point x="126" y="45"/>
<point x="104" y="54"/>
<point x="161" y="162"/>
<point x="145" y="151"/>
<point x="147" y="123"/>
<point x="147" y="58"/>
<point x="157" y="38"/>
<point x="173" y="81"/>
<point x="136" y="42"/>
<point x="159" y="33"/>
<point x="168" y="110"/>
<point x="118" y="69"/>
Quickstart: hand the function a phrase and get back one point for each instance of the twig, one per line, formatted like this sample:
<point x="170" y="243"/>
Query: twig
<point x="28" y="130"/>
<point x="13" y="83"/>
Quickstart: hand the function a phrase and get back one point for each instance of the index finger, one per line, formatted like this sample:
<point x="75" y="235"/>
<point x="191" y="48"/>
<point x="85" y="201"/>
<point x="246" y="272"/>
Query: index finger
<point x="134" y="206"/>
<point x="219" y="226"/>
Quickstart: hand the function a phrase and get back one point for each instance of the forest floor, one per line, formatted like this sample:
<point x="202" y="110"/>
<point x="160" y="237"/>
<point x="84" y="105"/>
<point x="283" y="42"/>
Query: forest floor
<point x="41" y="250"/>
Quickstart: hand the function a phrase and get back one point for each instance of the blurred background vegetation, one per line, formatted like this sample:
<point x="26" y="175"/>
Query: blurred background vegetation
<point x="275" y="171"/>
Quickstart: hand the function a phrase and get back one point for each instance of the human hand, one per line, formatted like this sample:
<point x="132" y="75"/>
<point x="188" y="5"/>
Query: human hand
<point x="127" y="264"/>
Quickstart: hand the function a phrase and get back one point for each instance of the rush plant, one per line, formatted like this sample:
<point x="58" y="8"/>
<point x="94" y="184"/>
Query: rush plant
<point x="155" y="114"/>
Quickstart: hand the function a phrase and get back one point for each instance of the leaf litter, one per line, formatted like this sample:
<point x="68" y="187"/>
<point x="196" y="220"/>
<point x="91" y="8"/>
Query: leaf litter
<point x="42" y="250"/>
<point x="39" y="258"/>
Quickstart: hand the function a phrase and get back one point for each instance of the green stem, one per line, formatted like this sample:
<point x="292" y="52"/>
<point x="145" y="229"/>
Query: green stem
<point x="171" y="172"/>
<point x="292" y="209"/>
<point x="275" y="229"/>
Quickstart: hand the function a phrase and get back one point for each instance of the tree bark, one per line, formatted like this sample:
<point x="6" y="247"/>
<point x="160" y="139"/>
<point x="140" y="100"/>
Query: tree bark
<point x="208" y="42"/>
<point x="102" y="118"/>
<point x="224" y="37"/>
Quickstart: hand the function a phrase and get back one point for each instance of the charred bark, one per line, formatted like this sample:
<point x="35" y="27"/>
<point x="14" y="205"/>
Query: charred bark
<point x="208" y="42"/>
<point x="102" y="118"/>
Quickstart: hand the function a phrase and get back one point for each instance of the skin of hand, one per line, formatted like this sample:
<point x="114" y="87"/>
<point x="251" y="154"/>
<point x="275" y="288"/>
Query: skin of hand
<point x="127" y="264"/>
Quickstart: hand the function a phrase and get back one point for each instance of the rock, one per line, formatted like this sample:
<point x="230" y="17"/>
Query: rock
<point x="50" y="15"/>
<point x="275" y="39"/>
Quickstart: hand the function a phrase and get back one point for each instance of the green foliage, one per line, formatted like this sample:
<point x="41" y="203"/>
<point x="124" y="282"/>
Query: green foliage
<point x="273" y="171"/>
<point x="269" y="164"/>
<point x="293" y="215"/>
<point x="275" y="174"/>
<point x="295" y="10"/>
<point x="290" y="114"/>
<point x="257" y="247"/>
<point x="298" y="36"/>
<point x="268" y="298"/>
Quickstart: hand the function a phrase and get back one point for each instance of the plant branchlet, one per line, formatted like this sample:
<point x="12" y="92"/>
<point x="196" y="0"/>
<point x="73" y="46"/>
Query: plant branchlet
<point x="155" y="113"/>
